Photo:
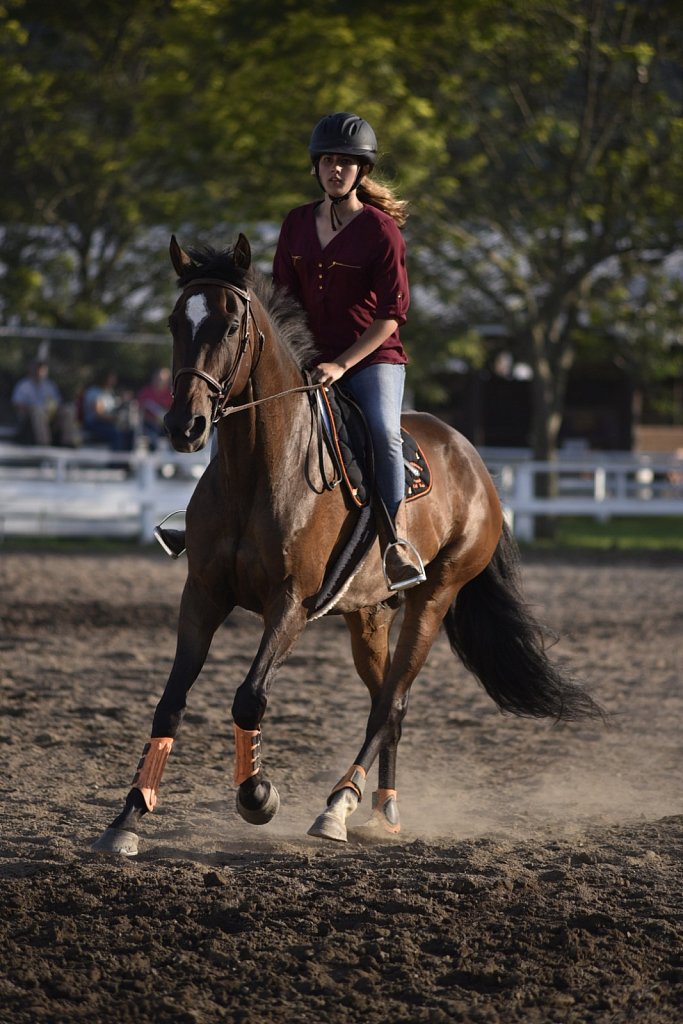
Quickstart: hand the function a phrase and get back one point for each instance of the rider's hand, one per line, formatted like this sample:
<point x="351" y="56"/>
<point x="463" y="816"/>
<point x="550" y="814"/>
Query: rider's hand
<point x="326" y="373"/>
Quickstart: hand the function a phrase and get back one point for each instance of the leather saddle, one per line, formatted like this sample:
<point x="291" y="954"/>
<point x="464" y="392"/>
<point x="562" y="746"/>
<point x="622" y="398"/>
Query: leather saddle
<point x="349" y="444"/>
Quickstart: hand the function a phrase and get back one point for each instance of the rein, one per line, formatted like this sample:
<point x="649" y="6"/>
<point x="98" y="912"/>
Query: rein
<point x="222" y="389"/>
<point x="308" y="388"/>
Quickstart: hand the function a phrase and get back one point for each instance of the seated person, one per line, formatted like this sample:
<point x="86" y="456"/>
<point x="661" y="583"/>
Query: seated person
<point x="42" y="417"/>
<point x="106" y="414"/>
<point x="154" y="401"/>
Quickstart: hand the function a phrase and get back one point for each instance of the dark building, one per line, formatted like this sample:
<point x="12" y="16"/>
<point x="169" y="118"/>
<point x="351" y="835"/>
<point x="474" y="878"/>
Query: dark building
<point x="495" y="411"/>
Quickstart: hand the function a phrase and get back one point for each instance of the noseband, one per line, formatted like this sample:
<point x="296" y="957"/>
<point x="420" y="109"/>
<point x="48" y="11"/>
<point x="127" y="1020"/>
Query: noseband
<point x="222" y="389"/>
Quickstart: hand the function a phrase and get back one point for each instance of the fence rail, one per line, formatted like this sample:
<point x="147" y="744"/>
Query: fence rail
<point x="597" y="485"/>
<point x="95" y="492"/>
<point x="92" y="492"/>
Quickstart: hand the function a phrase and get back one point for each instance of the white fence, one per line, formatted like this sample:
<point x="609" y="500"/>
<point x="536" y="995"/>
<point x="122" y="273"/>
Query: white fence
<point x="92" y="492"/>
<point x="598" y="485"/>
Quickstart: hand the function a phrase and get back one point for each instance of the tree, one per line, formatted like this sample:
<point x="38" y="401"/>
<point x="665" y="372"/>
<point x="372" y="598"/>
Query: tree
<point x="562" y="165"/>
<point x="123" y="123"/>
<point x="540" y="142"/>
<point x="78" y="191"/>
<point x="634" y="318"/>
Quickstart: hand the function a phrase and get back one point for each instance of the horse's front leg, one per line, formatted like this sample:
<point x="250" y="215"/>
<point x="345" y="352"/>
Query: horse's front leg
<point x="198" y="620"/>
<point x="257" y="799"/>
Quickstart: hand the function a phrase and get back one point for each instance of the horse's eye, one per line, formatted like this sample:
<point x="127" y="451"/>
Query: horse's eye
<point x="232" y="328"/>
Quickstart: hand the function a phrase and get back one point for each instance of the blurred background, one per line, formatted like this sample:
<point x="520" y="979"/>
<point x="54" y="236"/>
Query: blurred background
<point x="539" y="144"/>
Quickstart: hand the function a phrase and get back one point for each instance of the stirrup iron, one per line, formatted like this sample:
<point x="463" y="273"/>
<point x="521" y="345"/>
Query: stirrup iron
<point x="160" y="535"/>
<point x="419" y="575"/>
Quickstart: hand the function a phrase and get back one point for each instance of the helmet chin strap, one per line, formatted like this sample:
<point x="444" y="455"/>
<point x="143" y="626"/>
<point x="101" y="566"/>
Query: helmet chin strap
<point x="335" y="219"/>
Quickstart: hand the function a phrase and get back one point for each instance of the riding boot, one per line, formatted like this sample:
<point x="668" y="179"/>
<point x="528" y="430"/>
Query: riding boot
<point x="401" y="561"/>
<point x="172" y="541"/>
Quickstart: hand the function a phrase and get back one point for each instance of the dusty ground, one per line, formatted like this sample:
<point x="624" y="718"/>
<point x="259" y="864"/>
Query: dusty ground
<point x="539" y="877"/>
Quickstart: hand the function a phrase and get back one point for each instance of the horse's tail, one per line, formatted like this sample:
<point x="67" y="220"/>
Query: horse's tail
<point x="492" y="630"/>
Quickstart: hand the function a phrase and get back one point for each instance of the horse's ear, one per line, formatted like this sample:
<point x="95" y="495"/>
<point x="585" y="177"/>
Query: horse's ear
<point x="179" y="258"/>
<point x="242" y="253"/>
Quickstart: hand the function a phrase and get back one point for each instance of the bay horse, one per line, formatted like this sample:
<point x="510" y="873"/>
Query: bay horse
<point x="263" y="531"/>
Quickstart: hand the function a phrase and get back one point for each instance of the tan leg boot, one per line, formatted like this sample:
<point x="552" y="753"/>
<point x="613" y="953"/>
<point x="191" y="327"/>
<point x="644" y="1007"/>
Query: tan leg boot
<point x="401" y="561"/>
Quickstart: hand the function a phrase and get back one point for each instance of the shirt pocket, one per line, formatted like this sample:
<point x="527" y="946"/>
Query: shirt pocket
<point x="345" y="266"/>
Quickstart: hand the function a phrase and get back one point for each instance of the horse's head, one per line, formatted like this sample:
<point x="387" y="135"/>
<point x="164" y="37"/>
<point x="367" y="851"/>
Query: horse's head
<point x="210" y="325"/>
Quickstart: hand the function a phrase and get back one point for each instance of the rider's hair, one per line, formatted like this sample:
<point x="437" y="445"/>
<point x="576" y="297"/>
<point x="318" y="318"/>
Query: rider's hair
<point x="379" y="194"/>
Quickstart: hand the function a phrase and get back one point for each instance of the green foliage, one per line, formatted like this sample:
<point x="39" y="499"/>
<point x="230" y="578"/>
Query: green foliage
<point x="541" y="146"/>
<point x="77" y="195"/>
<point x="562" y="134"/>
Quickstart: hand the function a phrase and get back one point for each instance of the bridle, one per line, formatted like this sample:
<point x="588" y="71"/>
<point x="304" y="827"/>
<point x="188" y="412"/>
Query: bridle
<point x="221" y="390"/>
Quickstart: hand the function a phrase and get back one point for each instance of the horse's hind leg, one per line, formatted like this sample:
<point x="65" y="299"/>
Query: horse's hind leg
<point x="369" y="629"/>
<point x="425" y="609"/>
<point x="199" y="619"/>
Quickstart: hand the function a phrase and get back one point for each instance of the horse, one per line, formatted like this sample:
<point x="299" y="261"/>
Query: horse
<point x="264" y="529"/>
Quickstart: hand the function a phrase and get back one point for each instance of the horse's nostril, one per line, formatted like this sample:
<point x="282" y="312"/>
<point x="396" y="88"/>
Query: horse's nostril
<point x="186" y="431"/>
<point x="196" y="428"/>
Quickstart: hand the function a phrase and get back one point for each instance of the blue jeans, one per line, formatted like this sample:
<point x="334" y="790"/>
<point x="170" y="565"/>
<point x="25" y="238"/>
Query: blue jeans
<point x="378" y="390"/>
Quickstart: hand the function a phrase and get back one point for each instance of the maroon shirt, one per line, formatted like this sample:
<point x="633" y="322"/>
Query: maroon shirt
<point x="359" y="277"/>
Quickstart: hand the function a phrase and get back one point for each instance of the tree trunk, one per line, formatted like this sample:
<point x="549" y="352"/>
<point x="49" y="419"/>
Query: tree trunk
<point x="548" y="400"/>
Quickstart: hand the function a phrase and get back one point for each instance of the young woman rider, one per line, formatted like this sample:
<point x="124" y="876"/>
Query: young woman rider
<point x="343" y="258"/>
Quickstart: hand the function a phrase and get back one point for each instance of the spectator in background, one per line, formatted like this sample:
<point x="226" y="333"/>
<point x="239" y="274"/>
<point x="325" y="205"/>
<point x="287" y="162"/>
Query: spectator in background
<point x="42" y="417"/>
<point x="108" y="416"/>
<point x="154" y="401"/>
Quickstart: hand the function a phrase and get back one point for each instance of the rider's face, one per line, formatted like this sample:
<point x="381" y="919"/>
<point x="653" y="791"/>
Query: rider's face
<point x="337" y="172"/>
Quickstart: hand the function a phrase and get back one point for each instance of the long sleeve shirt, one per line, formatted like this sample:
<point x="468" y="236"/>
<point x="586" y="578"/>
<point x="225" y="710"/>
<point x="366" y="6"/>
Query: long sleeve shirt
<point x="360" y="276"/>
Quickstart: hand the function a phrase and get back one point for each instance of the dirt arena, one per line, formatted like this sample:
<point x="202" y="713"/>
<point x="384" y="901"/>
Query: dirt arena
<point x="538" y="879"/>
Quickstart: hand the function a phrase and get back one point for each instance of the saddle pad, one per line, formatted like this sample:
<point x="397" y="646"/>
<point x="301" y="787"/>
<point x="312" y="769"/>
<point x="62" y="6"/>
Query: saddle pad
<point x="349" y="444"/>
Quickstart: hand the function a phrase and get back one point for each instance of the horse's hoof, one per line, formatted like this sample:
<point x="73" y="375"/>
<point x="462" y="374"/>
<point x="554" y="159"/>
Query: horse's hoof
<point x="263" y="814"/>
<point x="376" y="830"/>
<point x="117" y="841"/>
<point x="328" y="826"/>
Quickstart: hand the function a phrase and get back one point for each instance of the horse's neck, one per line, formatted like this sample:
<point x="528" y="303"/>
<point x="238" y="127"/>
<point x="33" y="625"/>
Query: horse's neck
<point x="266" y="434"/>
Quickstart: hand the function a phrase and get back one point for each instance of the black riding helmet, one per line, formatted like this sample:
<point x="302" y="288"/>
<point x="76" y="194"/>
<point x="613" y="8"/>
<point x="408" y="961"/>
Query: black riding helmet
<point x="344" y="133"/>
<point x="348" y="135"/>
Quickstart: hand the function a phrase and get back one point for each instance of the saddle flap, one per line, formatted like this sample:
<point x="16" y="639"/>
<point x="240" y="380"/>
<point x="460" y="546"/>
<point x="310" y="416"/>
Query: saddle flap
<point x="350" y="445"/>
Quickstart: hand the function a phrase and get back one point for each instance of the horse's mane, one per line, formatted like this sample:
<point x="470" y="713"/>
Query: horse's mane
<point x="285" y="313"/>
